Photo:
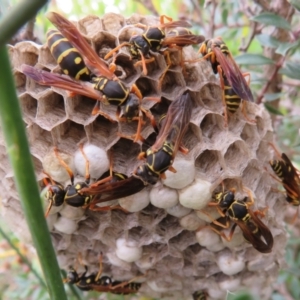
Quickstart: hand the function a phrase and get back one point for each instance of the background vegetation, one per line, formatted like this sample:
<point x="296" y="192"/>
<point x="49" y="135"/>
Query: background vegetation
<point x="264" y="38"/>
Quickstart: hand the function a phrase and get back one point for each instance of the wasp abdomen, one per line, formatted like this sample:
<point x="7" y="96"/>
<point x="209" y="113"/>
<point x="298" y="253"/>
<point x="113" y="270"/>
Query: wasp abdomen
<point x="68" y="57"/>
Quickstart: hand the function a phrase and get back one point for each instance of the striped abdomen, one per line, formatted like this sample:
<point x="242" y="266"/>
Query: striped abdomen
<point x="231" y="98"/>
<point x="68" y="57"/>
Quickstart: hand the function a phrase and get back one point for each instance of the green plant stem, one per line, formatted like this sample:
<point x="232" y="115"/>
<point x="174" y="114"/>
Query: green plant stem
<point x="17" y="17"/>
<point x="24" y="258"/>
<point x="18" y="151"/>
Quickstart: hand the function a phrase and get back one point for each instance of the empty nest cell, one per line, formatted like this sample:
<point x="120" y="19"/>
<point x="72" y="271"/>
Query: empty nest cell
<point x="20" y="82"/>
<point x="102" y="132"/>
<point x="172" y="85"/>
<point x="67" y="135"/>
<point x="46" y="59"/>
<point x="25" y="53"/>
<point x="250" y="136"/>
<point x="208" y="164"/>
<point x="29" y="107"/>
<point x="212" y="128"/>
<point x="236" y="155"/>
<point x="40" y="139"/>
<point x="51" y="110"/>
<point x="79" y="109"/>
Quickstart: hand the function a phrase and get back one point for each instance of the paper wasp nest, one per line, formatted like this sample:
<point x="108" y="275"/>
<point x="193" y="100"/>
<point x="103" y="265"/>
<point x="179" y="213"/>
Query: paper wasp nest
<point x="160" y="238"/>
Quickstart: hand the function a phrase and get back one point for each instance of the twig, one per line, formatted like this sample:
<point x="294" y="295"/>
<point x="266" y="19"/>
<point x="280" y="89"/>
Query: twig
<point x="272" y="77"/>
<point x="284" y="292"/>
<point x="254" y="31"/>
<point x="212" y="18"/>
<point x="197" y="10"/>
<point x="264" y="4"/>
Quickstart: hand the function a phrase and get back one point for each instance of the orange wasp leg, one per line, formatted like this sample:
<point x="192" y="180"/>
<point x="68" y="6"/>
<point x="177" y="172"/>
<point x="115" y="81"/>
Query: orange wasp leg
<point x="62" y="162"/>
<point x="97" y="111"/>
<point x="87" y="165"/>
<point x="163" y="17"/>
<point x="169" y="64"/>
<point x="111" y="52"/>
<point x="143" y="62"/>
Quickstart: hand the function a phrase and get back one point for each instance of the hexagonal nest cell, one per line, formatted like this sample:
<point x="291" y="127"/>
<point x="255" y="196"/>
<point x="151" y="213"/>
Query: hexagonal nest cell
<point x="175" y="261"/>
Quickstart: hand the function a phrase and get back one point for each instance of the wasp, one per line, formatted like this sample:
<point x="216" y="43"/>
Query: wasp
<point x="154" y="38"/>
<point x="158" y="158"/>
<point x="288" y="176"/>
<point x="57" y="195"/>
<point x="200" y="295"/>
<point x="233" y="83"/>
<point x="238" y="211"/>
<point x="103" y="85"/>
<point x="99" y="283"/>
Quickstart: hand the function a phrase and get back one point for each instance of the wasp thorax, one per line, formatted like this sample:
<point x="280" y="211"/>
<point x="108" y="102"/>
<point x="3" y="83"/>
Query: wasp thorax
<point x="139" y="44"/>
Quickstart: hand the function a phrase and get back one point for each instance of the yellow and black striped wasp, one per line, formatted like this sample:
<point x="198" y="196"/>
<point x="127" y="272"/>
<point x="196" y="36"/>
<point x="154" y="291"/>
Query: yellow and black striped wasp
<point x="57" y="195"/>
<point x="158" y="158"/>
<point x="238" y="211"/>
<point x="154" y="38"/>
<point x="103" y="85"/>
<point x="233" y="83"/>
<point x="288" y="176"/>
<point x="96" y="282"/>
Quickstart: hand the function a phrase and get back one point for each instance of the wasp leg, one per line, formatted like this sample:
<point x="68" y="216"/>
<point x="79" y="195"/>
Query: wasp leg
<point x="111" y="52"/>
<point x="62" y="162"/>
<point x="220" y="71"/>
<point x="183" y="150"/>
<point x="214" y="220"/>
<point x="143" y="62"/>
<point x="251" y="202"/>
<point x="169" y="64"/>
<point x="137" y="136"/>
<point x="97" y="111"/>
<point x="87" y="165"/>
<point x="245" y="113"/>
<point x="94" y="207"/>
<point x="150" y="117"/>
<point x="136" y="91"/>
<point x="163" y="17"/>
<point x="275" y="149"/>
<point x="124" y="283"/>
<point x="142" y="156"/>
<point x="100" y="267"/>
<point x="172" y="169"/>
<point x="112" y="66"/>
<point x="222" y="234"/>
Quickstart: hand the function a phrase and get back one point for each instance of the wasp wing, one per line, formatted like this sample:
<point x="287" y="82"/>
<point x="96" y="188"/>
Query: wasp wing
<point x="183" y="40"/>
<point x="233" y="74"/>
<point x="83" y="88"/>
<point x="175" y="123"/>
<point x="69" y="31"/>
<point x="174" y="24"/>
<point x="263" y="246"/>
<point x="114" y="190"/>
<point x="290" y="178"/>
